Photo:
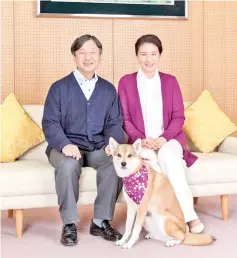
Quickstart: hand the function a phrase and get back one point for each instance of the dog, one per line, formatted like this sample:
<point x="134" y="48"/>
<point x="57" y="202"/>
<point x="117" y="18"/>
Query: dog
<point x="151" y="200"/>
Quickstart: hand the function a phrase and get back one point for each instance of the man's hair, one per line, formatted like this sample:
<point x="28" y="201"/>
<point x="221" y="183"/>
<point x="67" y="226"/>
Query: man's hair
<point x="80" y="41"/>
<point x="149" y="38"/>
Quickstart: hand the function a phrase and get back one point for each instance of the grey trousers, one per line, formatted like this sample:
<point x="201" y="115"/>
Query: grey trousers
<point x="67" y="175"/>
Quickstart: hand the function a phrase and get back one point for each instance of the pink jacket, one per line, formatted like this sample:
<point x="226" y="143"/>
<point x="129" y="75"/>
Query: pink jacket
<point x="173" y="111"/>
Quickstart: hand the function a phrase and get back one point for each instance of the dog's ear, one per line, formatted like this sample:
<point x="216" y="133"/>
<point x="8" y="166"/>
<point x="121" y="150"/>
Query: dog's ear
<point x="137" y="145"/>
<point x="112" y="144"/>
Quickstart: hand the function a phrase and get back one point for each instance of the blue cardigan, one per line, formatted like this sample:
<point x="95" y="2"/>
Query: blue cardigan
<point x="70" y="119"/>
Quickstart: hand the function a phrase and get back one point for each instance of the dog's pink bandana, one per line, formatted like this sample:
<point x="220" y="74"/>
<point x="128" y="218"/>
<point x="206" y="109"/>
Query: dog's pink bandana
<point x="136" y="184"/>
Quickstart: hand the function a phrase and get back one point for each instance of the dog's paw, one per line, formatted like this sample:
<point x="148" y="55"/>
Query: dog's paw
<point x="121" y="242"/>
<point x="128" y="245"/>
<point x="148" y="236"/>
<point x="171" y="243"/>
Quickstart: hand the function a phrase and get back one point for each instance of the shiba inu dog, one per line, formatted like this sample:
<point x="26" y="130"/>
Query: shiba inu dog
<point x="151" y="201"/>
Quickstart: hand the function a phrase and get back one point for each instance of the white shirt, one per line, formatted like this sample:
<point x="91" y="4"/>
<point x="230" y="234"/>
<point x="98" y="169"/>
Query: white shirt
<point x="87" y="86"/>
<point x="151" y="102"/>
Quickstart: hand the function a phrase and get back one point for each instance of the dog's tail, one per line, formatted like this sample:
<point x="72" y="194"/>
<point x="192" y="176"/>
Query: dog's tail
<point x="198" y="239"/>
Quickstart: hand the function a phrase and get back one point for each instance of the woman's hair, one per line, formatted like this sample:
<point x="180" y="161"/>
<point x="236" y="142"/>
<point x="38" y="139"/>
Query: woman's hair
<point x="79" y="42"/>
<point x="149" y="38"/>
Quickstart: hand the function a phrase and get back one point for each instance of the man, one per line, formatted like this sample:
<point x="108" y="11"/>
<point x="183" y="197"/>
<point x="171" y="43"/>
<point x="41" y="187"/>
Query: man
<point x="81" y="113"/>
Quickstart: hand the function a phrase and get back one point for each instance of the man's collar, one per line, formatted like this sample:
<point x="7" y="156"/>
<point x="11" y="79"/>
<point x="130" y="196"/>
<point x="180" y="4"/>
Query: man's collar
<point x="82" y="78"/>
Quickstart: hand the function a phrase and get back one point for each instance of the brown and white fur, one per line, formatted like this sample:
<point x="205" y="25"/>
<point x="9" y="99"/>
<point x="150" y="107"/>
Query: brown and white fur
<point x="159" y="211"/>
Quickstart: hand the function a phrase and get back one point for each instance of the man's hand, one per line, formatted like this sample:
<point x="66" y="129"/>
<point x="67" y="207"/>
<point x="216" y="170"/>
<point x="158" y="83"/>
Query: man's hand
<point x="107" y="150"/>
<point x="71" y="150"/>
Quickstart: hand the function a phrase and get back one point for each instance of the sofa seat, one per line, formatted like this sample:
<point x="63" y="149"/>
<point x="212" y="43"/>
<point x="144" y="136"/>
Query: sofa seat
<point x="36" y="177"/>
<point x="213" y="168"/>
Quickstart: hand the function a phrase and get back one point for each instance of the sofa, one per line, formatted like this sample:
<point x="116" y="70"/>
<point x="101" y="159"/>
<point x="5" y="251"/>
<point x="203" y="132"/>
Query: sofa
<point x="29" y="181"/>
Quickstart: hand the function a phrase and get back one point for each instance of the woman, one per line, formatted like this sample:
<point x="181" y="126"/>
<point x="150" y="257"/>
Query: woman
<point x="153" y="110"/>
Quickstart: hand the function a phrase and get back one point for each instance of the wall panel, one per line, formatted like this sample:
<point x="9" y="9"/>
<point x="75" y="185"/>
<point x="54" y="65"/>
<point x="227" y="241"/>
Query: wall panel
<point x="42" y="48"/>
<point x="220" y="54"/>
<point x="182" y="43"/>
<point x="7" y="48"/>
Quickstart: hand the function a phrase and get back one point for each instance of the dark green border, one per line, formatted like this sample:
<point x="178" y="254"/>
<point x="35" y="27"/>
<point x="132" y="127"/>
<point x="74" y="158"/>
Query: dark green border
<point x="72" y="8"/>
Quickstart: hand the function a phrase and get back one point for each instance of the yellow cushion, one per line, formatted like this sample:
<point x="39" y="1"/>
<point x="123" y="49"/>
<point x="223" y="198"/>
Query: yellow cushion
<point x="206" y="125"/>
<point x="19" y="132"/>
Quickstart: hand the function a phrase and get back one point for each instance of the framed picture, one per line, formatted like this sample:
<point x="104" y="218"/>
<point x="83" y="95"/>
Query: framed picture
<point x="150" y="9"/>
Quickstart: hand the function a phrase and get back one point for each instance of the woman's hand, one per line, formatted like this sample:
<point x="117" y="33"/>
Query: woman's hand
<point x="160" y="142"/>
<point x="150" y="143"/>
<point x="153" y="143"/>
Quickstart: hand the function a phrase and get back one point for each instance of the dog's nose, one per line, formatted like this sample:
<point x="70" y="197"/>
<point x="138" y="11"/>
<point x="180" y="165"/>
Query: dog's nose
<point x="123" y="164"/>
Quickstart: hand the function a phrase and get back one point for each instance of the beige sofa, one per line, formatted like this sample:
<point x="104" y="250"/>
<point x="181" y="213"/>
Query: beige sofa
<point x="29" y="182"/>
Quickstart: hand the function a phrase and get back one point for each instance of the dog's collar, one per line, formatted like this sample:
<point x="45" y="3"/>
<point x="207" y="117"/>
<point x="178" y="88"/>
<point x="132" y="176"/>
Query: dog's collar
<point x="135" y="185"/>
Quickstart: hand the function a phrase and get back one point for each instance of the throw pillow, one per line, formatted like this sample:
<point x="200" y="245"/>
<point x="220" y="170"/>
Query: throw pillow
<point x="19" y="132"/>
<point x="206" y="125"/>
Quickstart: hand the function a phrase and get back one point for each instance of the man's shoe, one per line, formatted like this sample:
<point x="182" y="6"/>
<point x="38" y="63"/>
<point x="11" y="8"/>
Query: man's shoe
<point x="105" y="231"/>
<point x="69" y="235"/>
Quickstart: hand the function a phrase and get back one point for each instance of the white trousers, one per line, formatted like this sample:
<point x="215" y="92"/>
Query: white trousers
<point x="172" y="165"/>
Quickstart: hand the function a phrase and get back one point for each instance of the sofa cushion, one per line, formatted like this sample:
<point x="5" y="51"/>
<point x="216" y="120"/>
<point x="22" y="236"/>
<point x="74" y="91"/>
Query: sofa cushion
<point x="37" y="153"/>
<point x="33" y="177"/>
<point x="35" y="112"/>
<point x="213" y="168"/>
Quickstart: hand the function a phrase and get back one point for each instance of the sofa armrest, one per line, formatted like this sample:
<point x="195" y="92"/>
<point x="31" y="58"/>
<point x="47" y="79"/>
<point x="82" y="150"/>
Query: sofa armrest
<point x="229" y="145"/>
